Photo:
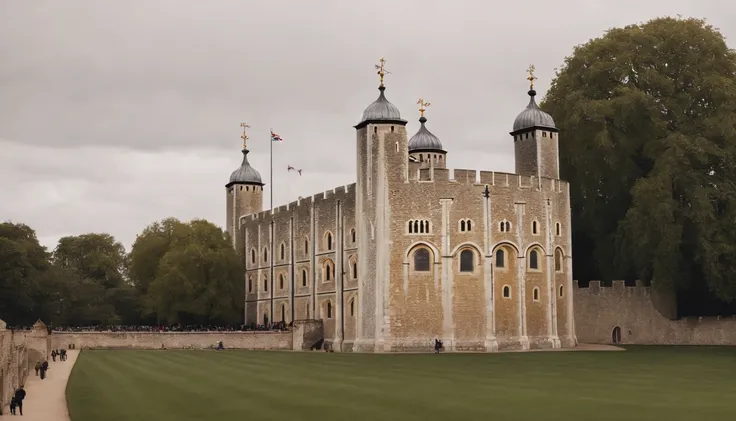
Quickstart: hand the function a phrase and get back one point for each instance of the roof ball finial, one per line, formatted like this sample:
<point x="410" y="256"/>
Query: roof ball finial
<point x="244" y="136"/>
<point x="382" y="70"/>
<point x="531" y="78"/>
<point x="422" y="106"/>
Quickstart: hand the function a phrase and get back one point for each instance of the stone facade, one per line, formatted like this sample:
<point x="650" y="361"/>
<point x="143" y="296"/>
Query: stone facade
<point x="634" y="315"/>
<point x="14" y="366"/>
<point x="414" y="251"/>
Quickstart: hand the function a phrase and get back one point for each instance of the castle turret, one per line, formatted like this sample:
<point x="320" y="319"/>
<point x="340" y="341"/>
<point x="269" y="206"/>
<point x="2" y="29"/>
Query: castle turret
<point x="425" y="149"/>
<point x="244" y="194"/>
<point x="536" y="139"/>
<point x="383" y="158"/>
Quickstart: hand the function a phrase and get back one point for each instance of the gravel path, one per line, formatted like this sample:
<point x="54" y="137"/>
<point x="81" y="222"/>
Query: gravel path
<point x="46" y="399"/>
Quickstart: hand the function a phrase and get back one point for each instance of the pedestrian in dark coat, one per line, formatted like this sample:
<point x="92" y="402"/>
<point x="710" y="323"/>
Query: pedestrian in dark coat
<point x="44" y="367"/>
<point x="19" y="395"/>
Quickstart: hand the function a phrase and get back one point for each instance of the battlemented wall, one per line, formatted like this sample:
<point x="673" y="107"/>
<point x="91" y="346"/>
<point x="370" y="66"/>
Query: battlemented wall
<point x="313" y="253"/>
<point x="600" y="310"/>
<point x="14" y="365"/>
<point x="172" y="340"/>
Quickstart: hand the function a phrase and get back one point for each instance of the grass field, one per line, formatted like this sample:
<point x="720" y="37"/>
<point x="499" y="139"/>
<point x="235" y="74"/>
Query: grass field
<point x="643" y="383"/>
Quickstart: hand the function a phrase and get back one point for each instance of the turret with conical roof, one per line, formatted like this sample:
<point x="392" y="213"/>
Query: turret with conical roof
<point x="425" y="149"/>
<point x="244" y="193"/>
<point x="535" y="139"/>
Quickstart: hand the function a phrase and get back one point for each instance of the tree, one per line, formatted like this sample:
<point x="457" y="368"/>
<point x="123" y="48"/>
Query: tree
<point x="189" y="273"/>
<point x="23" y="265"/>
<point x="648" y="114"/>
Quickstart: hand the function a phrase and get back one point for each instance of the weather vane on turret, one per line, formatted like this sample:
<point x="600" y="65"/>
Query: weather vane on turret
<point x="531" y="78"/>
<point x="382" y="70"/>
<point x="422" y="106"/>
<point x="244" y="136"/>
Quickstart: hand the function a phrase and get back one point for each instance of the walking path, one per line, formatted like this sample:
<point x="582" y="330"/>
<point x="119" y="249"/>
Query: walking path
<point x="46" y="399"/>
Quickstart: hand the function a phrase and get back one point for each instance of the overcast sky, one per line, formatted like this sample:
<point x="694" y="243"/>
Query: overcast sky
<point x="117" y="114"/>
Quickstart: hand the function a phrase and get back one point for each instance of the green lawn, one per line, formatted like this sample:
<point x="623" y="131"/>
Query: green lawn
<point x="642" y="383"/>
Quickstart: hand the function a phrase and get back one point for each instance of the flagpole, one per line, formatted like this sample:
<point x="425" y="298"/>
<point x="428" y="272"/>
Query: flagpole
<point x="273" y="233"/>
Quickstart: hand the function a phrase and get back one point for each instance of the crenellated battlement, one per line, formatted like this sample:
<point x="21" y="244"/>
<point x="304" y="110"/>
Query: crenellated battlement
<point x="490" y="178"/>
<point x="332" y="194"/>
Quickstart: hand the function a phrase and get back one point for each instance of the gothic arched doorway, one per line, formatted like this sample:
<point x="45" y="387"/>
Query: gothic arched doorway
<point x="616" y="335"/>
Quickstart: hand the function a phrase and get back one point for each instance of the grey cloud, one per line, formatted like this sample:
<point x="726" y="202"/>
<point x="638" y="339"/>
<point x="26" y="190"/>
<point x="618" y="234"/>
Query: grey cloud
<point x="116" y="114"/>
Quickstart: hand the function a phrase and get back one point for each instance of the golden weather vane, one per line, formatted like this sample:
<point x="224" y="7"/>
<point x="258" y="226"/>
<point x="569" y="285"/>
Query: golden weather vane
<point x="422" y="106"/>
<point x="244" y="136"/>
<point x="531" y="78"/>
<point x="382" y="69"/>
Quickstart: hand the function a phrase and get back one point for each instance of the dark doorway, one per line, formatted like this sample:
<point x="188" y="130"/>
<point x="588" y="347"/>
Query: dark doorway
<point x="616" y="335"/>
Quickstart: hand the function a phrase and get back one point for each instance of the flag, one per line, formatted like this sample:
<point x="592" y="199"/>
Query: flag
<point x="275" y="137"/>
<point x="290" y="168"/>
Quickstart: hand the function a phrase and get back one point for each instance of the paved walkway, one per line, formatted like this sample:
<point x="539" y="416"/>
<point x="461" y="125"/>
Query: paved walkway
<point x="46" y="399"/>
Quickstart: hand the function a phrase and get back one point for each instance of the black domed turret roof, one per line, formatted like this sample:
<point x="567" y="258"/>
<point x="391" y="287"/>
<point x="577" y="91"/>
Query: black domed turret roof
<point x="245" y="174"/>
<point x="533" y="116"/>
<point x="424" y="140"/>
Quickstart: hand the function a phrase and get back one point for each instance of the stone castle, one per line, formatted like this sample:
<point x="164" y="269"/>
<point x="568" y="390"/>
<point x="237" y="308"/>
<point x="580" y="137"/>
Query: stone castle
<point x="413" y="251"/>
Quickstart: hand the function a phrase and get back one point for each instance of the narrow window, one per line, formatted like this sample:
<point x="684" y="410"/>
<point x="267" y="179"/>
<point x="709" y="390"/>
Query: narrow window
<point x="411" y="228"/>
<point x="265" y="284"/>
<point x="265" y="254"/>
<point x="352" y="307"/>
<point x="421" y="227"/>
<point x="265" y="318"/>
<point x="355" y="270"/>
<point x="535" y="294"/>
<point x="500" y="259"/>
<point x="462" y="226"/>
<point x="283" y="251"/>
<point x="416" y="227"/>
<point x="533" y="260"/>
<point x="329" y="241"/>
<point x="253" y="255"/>
<point x="328" y="272"/>
<point x="281" y="281"/>
<point x="306" y="309"/>
<point x="544" y="134"/>
<point x="466" y="261"/>
<point x="250" y="284"/>
<point x="468" y="225"/>
<point x="508" y="226"/>
<point x="283" y="313"/>
<point x="329" y="310"/>
<point x="306" y="246"/>
<point x="304" y="278"/>
<point x="557" y="229"/>
<point x="421" y="260"/>
<point x="558" y="260"/>
<point x="352" y="235"/>
<point x="502" y="226"/>
<point x="560" y="290"/>
<point x="426" y="227"/>
<point x="506" y="291"/>
<point x="534" y="227"/>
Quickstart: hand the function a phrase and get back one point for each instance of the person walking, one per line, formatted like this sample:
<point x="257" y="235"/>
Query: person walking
<point x="13" y="404"/>
<point x="37" y="367"/>
<point x="19" y="395"/>
<point x="44" y="367"/>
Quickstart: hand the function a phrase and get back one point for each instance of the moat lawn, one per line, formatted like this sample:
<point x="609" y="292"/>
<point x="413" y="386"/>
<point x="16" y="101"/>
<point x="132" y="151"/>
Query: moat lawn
<point x="642" y="383"/>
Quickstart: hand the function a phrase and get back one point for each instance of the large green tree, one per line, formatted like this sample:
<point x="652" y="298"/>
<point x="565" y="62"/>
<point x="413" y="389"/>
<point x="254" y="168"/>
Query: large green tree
<point x="648" y="116"/>
<point x="189" y="273"/>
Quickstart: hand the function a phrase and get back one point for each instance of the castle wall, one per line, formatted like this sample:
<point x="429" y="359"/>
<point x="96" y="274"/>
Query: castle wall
<point x="14" y="366"/>
<point x="599" y="310"/>
<point x="172" y="340"/>
<point x="468" y="308"/>
<point x="313" y="249"/>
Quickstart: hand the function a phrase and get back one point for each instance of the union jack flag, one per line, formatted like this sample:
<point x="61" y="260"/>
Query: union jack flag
<point x="290" y="168"/>
<point x="275" y="137"/>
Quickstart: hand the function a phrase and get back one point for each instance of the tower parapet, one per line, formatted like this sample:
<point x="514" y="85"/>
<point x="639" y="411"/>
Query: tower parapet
<point x="244" y="193"/>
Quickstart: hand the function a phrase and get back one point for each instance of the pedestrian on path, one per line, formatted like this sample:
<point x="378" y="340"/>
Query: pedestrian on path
<point x="13" y="404"/>
<point x="44" y="367"/>
<point x="37" y="367"/>
<point x="19" y="395"/>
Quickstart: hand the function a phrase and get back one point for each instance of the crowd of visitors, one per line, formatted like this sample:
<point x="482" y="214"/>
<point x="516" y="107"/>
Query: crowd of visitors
<point x="167" y="328"/>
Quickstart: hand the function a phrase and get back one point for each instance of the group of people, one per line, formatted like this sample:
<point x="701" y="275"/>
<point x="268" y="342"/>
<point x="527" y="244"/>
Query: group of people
<point x="16" y="402"/>
<point x="61" y="353"/>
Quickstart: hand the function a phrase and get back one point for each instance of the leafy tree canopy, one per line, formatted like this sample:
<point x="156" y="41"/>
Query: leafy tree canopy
<point x="648" y="116"/>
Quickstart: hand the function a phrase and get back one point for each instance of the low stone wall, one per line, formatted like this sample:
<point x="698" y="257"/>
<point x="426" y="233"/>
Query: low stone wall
<point x="172" y="340"/>
<point x="14" y="367"/>
<point x="600" y="310"/>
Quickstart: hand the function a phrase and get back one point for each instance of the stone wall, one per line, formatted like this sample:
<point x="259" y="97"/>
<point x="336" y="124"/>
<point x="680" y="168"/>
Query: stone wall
<point x="172" y="340"/>
<point x="14" y="366"/>
<point x="600" y="310"/>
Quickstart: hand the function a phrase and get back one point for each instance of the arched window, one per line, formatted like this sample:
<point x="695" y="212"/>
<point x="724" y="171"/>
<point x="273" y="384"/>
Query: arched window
<point x="508" y="226"/>
<point x="250" y="284"/>
<point x="352" y="307"/>
<point x="462" y="225"/>
<point x="265" y="284"/>
<point x="283" y="251"/>
<point x="535" y="294"/>
<point x="468" y="226"/>
<point x="352" y="235"/>
<point x="328" y="240"/>
<point x="416" y="227"/>
<point x="558" y="260"/>
<point x="500" y="258"/>
<point x="253" y="256"/>
<point x="506" y="291"/>
<point x="421" y="260"/>
<point x="561" y="291"/>
<point x="265" y="318"/>
<point x="502" y="226"/>
<point x="329" y="271"/>
<point x="533" y="260"/>
<point x="283" y="313"/>
<point x="281" y="281"/>
<point x="466" y="261"/>
<point x="558" y="229"/>
<point x="306" y="246"/>
<point x="426" y="227"/>
<point x="304" y="277"/>
<point x="355" y="270"/>
<point x="329" y="310"/>
<point x="265" y="254"/>
<point x="534" y="227"/>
